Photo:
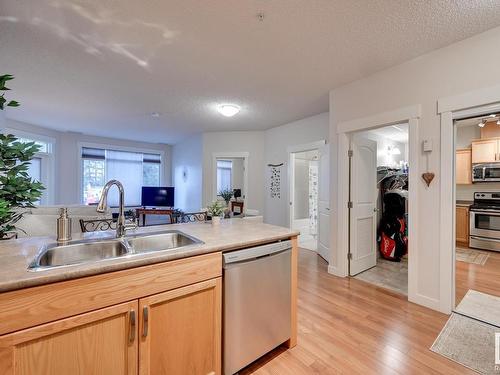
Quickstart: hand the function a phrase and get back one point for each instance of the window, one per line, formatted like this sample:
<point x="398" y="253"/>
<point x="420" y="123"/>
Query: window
<point x="133" y="169"/>
<point x="42" y="165"/>
<point x="224" y="175"/>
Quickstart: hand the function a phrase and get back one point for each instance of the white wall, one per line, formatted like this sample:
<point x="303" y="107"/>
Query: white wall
<point x="277" y="140"/>
<point x="452" y="70"/>
<point x="66" y="157"/>
<point x="247" y="141"/>
<point x="187" y="161"/>
<point x="465" y="135"/>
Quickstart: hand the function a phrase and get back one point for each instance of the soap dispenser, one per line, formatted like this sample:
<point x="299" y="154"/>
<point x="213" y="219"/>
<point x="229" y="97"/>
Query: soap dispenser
<point x="63" y="226"/>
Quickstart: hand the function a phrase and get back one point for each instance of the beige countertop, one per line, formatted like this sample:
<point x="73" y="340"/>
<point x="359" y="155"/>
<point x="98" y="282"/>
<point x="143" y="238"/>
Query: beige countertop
<point x="464" y="203"/>
<point x="16" y="255"/>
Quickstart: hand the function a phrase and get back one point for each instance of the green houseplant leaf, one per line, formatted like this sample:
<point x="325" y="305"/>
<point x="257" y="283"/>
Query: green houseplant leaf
<point x="18" y="191"/>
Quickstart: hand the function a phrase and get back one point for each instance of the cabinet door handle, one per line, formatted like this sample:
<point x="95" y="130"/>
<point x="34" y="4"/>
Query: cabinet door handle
<point x="145" y="321"/>
<point x="131" y="333"/>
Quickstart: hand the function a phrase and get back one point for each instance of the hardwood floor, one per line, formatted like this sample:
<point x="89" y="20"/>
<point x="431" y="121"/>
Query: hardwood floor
<point x="484" y="279"/>
<point x="347" y="326"/>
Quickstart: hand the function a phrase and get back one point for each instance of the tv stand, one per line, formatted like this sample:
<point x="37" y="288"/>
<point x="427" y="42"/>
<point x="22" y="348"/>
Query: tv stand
<point x="154" y="211"/>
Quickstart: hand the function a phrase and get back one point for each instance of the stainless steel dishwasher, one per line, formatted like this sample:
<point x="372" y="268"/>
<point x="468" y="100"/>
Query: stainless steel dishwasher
<point x="257" y="303"/>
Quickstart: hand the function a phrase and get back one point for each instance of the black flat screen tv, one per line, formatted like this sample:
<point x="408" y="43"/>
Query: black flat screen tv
<point x="157" y="196"/>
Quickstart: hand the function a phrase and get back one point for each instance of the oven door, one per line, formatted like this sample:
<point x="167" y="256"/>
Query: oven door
<point x="485" y="223"/>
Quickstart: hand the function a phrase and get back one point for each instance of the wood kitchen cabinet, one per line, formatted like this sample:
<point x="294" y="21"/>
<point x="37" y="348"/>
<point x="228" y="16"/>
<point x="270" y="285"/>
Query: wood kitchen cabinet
<point x="171" y="324"/>
<point x="485" y="150"/>
<point x="181" y="330"/>
<point x="463" y="165"/>
<point x="100" y="342"/>
<point x="462" y="225"/>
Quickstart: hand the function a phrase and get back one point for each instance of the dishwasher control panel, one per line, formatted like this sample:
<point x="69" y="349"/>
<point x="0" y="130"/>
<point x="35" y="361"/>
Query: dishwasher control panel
<point x="256" y="252"/>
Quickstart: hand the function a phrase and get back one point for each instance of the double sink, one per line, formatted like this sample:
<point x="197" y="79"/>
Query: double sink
<point x="96" y="250"/>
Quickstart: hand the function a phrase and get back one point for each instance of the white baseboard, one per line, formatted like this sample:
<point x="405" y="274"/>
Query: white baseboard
<point x="332" y="270"/>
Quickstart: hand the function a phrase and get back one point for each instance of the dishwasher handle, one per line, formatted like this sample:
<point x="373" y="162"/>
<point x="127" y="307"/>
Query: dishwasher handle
<point x="256" y="252"/>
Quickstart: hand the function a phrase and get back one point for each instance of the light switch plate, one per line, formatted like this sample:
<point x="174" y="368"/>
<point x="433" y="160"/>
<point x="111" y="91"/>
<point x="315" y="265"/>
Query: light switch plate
<point x="427" y="145"/>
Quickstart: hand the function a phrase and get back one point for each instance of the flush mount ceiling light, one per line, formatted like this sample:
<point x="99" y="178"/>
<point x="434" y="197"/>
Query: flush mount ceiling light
<point x="228" y="110"/>
<point x="155" y="114"/>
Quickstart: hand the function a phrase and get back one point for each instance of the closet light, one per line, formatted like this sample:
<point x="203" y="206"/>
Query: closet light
<point x="391" y="150"/>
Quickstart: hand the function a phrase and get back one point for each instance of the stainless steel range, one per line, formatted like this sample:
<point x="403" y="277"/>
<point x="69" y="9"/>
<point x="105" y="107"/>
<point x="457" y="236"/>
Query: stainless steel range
<point x="485" y="221"/>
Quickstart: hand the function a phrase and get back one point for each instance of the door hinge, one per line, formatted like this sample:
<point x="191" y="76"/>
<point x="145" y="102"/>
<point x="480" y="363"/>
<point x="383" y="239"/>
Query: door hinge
<point x="349" y="204"/>
<point x="350" y="153"/>
<point x="349" y="256"/>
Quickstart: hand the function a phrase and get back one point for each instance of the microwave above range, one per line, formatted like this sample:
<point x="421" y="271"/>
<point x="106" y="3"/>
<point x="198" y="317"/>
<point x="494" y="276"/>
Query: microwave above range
<point x="486" y="172"/>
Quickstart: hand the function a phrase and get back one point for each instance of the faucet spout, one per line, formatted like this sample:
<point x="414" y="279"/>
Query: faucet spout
<point x="101" y="207"/>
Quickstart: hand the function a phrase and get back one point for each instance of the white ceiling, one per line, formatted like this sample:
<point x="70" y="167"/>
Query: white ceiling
<point x="396" y="133"/>
<point x="102" y="67"/>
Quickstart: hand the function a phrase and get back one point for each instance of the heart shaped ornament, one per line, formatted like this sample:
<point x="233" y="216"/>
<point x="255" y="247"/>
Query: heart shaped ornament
<point x="428" y="177"/>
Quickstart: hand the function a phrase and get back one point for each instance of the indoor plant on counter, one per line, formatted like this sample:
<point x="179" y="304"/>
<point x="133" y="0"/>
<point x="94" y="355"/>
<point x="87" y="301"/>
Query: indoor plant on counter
<point x="226" y="194"/>
<point x="17" y="190"/>
<point x="215" y="211"/>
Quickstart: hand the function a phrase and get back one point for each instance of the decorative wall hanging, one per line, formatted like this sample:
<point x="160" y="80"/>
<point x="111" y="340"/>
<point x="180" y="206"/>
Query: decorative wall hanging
<point x="428" y="177"/>
<point x="427" y="148"/>
<point x="275" y="180"/>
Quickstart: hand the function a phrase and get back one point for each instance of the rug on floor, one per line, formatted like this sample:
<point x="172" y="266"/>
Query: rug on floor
<point x="471" y="256"/>
<point x="481" y="306"/>
<point x="387" y="274"/>
<point x="469" y="342"/>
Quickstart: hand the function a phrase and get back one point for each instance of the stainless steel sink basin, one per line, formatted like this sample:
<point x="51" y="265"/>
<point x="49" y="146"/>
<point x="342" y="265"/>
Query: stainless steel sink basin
<point x="160" y="241"/>
<point x="56" y="255"/>
<point x="86" y="251"/>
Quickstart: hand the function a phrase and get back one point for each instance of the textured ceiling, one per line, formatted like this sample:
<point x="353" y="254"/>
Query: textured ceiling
<point x="101" y="67"/>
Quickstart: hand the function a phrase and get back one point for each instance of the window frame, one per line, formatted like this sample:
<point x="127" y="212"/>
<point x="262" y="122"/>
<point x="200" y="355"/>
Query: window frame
<point x="48" y="160"/>
<point x="113" y="147"/>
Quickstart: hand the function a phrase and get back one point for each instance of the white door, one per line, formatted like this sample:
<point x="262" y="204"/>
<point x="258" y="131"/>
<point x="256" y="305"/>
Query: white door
<point x="324" y="203"/>
<point x="363" y="213"/>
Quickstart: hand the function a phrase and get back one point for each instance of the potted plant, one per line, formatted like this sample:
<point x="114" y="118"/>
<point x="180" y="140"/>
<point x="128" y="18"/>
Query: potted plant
<point x="216" y="210"/>
<point x="17" y="190"/>
<point x="4" y="102"/>
<point x="226" y="194"/>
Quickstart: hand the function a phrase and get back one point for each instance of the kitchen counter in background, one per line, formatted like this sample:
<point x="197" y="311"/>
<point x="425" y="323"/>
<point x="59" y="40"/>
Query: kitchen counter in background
<point x="462" y="203"/>
<point x="232" y="234"/>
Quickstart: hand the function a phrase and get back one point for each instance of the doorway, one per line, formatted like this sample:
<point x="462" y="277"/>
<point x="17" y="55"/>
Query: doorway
<point x="378" y="206"/>
<point x="309" y="195"/>
<point x="230" y="179"/>
<point x="304" y="207"/>
<point x="477" y="211"/>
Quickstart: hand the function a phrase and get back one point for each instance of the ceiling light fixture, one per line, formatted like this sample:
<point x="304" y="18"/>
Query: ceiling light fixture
<point x="392" y="150"/>
<point x="228" y="110"/>
<point x="498" y="122"/>
<point x="395" y="151"/>
<point x="155" y="114"/>
<point x="481" y="124"/>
